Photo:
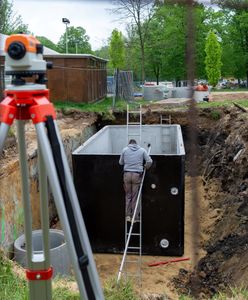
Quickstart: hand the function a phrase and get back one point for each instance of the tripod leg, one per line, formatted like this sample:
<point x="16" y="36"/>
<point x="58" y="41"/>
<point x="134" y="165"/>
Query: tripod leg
<point x="47" y="155"/>
<point x="44" y="208"/>
<point x="80" y="222"/>
<point x="25" y="191"/>
<point x="43" y="288"/>
<point x="4" y="128"/>
<point x="38" y="289"/>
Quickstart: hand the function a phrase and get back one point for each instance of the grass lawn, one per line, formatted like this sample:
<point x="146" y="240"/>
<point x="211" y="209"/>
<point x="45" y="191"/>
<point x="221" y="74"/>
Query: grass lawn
<point x="106" y="105"/>
<point x="243" y="103"/>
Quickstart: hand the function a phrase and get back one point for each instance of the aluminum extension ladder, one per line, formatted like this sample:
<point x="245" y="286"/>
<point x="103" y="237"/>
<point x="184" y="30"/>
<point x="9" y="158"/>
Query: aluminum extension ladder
<point x="132" y="257"/>
<point x="131" y="114"/>
<point x="165" y="134"/>
<point x="166" y="119"/>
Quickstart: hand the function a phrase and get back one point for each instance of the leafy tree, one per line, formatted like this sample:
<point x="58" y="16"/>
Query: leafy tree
<point x="213" y="58"/>
<point x="78" y="41"/>
<point x="232" y="4"/>
<point x="236" y="45"/>
<point x="48" y="43"/>
<point x="117" y="54"/>
<point x="132" y="57"/>
<point x="155" y="51"/>
<point x="10" y="22"/>
<point x="137" y="11"/>
<point x="103" y="52"/>
<point x="235" y="38"/>
<point x="117" y="49"/>
<point x="172" y="23"/>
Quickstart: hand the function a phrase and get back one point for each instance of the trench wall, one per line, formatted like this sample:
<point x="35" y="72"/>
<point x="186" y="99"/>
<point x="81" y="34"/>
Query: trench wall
<point x="11" y="210"/>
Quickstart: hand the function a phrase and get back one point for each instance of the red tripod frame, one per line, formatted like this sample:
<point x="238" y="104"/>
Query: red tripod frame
<point x="26" y="105"/>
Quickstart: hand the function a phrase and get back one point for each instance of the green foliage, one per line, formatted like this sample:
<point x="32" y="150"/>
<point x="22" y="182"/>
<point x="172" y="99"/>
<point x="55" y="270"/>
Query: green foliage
<point x="172" y="31"/>
<point x="48" y="43"/>
<point x="11" y="132"/>
<point x="120" y="291"/>
<point x="98" y="107"/>
<point x="10" y="22"/>
<point x="12" y="287"/>
<point x="139" y="14"/>
<point x="103" y="52"/>
<point x="213" y="59"/>
<point x="63" y="293"/>
<point x="117" y="50"/>
<point x="183" y="297"/>
<point x="243" y="103"/>
<point x="78" y="41"/>
<point x="132" y="53"/>
<point x="102" y="107"/>
<point x="215" y="115"/>
<point x="235" y="293"/>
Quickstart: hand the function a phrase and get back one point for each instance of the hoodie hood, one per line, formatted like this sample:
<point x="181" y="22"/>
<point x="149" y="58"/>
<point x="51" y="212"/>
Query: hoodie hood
<point x="133" y="147"/>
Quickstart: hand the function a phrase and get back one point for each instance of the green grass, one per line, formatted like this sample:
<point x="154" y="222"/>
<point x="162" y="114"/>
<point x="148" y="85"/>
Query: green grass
<point x="243" y="103"/>
<point x="106" y="106"/>
<point x="11" y="132"/>
<point x="236" y="293"/>
<point x="215" y="115"/>
<point x="98" y="107"/>
<point x="122" y="291"/>
<point x="12" y="287"/>
<point x="64" y="294"/>
<point x="15" y="288"/>
<point x="230" y="90"/>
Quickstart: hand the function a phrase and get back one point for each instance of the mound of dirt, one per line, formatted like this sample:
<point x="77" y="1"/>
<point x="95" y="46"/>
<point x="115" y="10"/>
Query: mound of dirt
<point x="223" y="203"/>
<point x="225" y="178"/>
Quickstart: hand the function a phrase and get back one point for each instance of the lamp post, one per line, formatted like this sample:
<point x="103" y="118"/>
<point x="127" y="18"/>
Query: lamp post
<point x="66" y="22"/>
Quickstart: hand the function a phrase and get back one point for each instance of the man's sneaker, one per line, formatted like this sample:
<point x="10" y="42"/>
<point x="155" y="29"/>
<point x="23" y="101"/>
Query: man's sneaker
<point x="128" y="219"/>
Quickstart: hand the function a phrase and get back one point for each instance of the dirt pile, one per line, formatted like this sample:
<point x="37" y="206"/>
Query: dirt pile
<point x="223" y="141"/>
<point x="225" y="177"/>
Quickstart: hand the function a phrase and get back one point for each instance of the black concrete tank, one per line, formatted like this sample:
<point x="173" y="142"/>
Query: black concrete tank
<point x="98" y="181"/>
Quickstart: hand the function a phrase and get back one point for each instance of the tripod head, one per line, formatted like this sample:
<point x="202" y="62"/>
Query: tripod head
<point x="24" y="58"/>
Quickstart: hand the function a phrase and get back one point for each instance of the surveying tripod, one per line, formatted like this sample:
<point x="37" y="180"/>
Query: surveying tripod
<point x="29" y="101"/>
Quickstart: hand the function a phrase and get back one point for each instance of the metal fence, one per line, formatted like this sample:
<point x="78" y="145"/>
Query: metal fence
<point x="125" y="85"/>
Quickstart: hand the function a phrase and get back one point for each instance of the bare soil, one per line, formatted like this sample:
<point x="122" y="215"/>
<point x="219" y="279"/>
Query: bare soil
<point x="219" y="255"/>
<point x="156" y="280"/>
<point x="223" y="96"/>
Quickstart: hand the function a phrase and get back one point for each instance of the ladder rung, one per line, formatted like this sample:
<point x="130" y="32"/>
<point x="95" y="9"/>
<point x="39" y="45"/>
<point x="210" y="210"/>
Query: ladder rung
<point x="134" y="234"/>
<point x="133" y="252"/>
<point x="132" y="261"/>
<point x="132" y="274"/>
<point x="134" y="111"/>
<point x="135" y="248"/>
<point x="134" y="123"/>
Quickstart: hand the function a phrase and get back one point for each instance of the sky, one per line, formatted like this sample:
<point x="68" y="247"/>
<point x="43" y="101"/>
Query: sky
<point x="44" y="18"/>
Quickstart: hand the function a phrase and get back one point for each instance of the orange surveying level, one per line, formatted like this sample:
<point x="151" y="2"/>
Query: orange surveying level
<point x="30" y="101"/>
<point x="24" y="59"/>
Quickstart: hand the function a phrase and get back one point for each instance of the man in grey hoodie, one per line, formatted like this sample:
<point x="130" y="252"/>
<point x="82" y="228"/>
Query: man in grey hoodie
<point x="133" y="158"/>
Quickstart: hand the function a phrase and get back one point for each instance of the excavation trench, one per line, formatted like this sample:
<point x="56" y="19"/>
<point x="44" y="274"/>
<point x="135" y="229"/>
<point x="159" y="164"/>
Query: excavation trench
<point x="222" y="189"/>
